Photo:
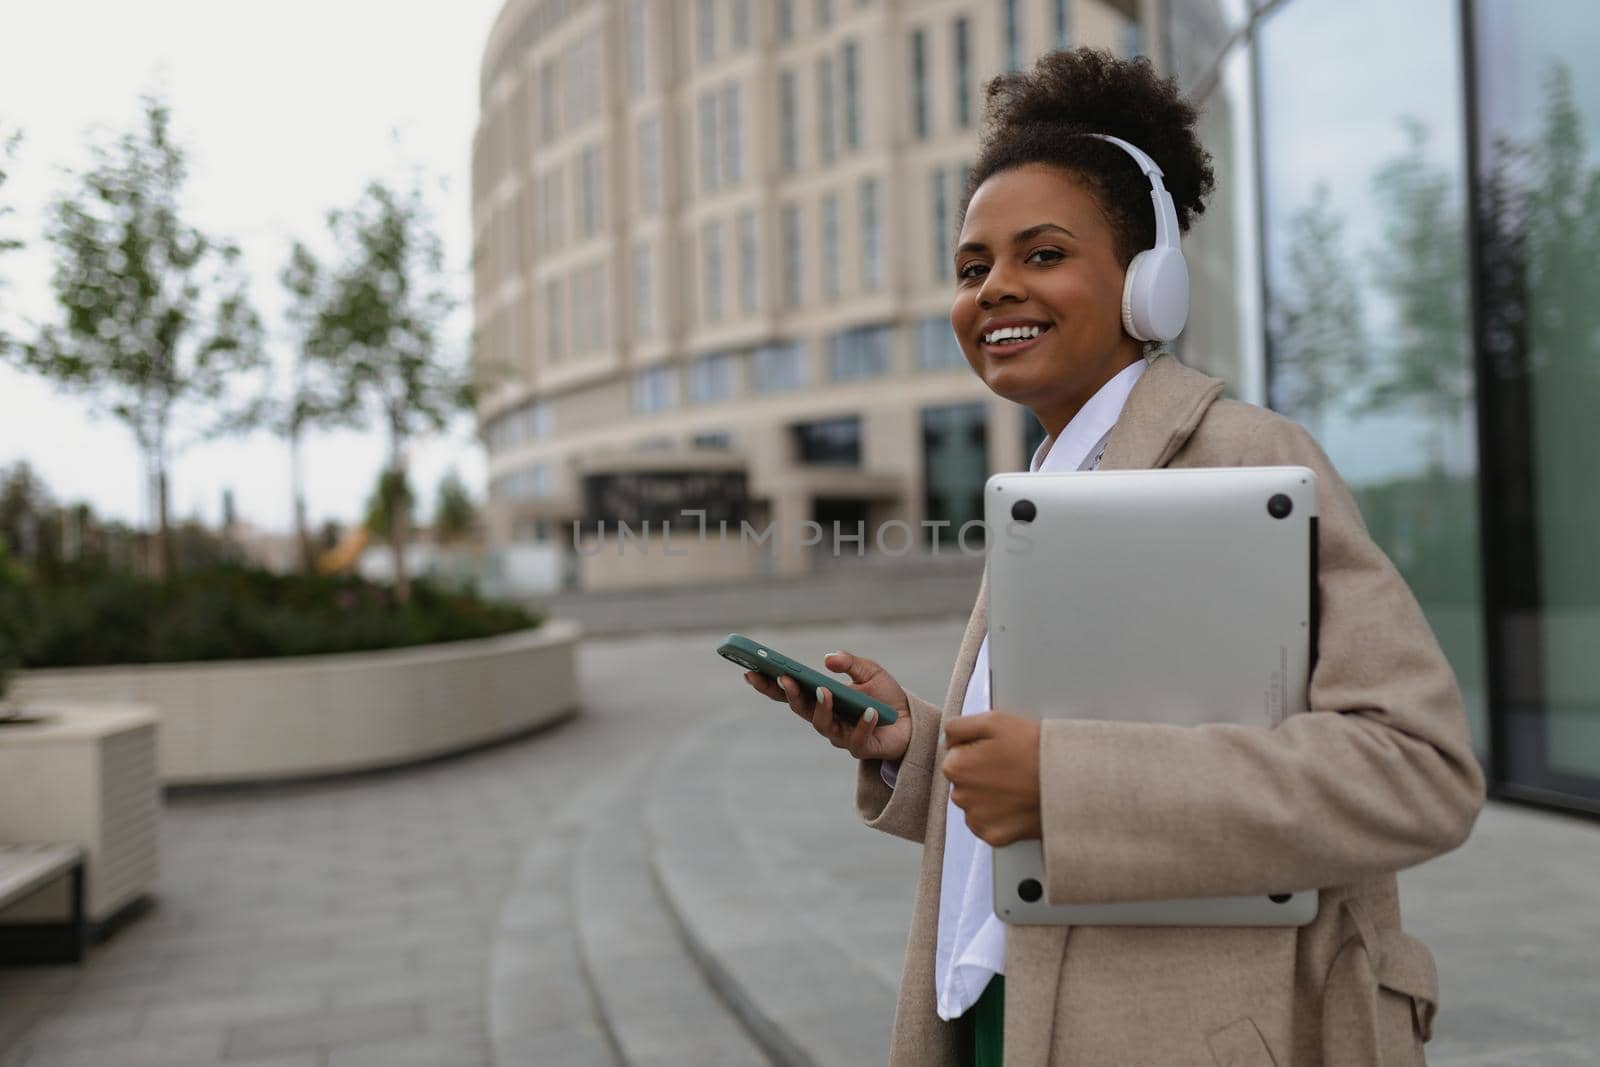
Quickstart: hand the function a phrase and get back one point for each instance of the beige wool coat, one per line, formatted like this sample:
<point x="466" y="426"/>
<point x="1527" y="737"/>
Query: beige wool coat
<point x="1378" y="776"/>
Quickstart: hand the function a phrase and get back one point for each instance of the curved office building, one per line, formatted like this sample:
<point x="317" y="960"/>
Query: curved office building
<point x="713" y="246"/>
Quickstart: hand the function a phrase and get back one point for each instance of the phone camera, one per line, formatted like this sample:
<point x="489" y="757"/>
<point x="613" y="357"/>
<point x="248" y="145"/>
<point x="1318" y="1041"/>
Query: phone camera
<point x="1279" y="506"/>
<point x="1024" y="511"/>
<point x="1030" y="890"/>
<point x="1280" y="898"/>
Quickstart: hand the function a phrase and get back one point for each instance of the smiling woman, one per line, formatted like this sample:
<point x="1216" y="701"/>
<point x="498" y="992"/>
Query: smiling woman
<point x="1069" y="277"/>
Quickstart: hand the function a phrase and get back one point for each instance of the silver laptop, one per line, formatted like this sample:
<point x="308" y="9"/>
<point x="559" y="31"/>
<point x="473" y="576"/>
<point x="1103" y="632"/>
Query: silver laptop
<point x="1176" y="596"/>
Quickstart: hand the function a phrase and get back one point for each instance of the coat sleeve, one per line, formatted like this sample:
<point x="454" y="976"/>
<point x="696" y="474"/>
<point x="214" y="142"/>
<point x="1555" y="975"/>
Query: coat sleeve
<point x="903" y="809"/>
<point x="1379" y="775"/>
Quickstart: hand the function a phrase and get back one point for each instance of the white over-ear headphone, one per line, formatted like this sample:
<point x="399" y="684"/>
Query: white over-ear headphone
<point x="1155" y="297"/>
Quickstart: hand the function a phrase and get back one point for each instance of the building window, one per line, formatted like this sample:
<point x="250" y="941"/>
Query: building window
<point x="547" y="101"/>
<point x="827" y="134"/>
<point x="528" y="483"/>
<point x="638" y="35"/>
<point x="1063" y="26"/>
<point x="518" y="427"/>
<point x="593" y="307"/>
<point x="793" y="259"/>
<point x="937" y="347"/>
<point x="740" y="29"/>
<point x="590" y="192"/>
<point x="1011" y="31"/>
<point x="852" y="96"/>
<point x="788" y="122"/>
<point x="749" y="263"/>
<point x="708" y="142"/>
<point x="711" y="251"/>
<point x="830" y="442"/>
<point x="955" y="462"/>
<point x="871" y="236"/>
<point x="919" y="84"/>
<point x="650" y="163"/>
<point x="860" y="352"/>
<point x="785" y="20"/>
<point x="654" y="389"/>
<point x="830" y="247"/>
<point x="706" y="29"/>
<point x="553" y="297"/>
<point x="644" y="297"/>
<point x="938" y="196"/>
<point x="711" y="377"/>
<point x="777" y="367"/>
<point x="962" y="38"/>
<point x="1132" y="38"/>
<point x="732" y="137"/>
<point x="715" y="440"/>
<point x="824" y="14"/>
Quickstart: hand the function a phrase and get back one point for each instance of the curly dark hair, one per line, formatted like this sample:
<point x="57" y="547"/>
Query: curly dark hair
<point x="1041" y="115"/>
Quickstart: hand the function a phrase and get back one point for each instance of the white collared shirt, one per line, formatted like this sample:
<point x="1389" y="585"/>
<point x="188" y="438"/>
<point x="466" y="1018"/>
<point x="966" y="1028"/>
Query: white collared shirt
<point x="972" y="941"/>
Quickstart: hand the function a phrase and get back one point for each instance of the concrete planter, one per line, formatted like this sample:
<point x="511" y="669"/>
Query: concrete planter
<point x="258" y="720"/>
<point x="85" y="776"/>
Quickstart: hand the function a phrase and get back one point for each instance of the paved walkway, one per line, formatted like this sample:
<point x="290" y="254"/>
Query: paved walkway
<point x="675" y="876"/>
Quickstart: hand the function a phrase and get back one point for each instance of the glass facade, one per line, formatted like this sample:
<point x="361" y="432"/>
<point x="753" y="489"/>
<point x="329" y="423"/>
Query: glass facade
<point x="1402" y="261"/>
<point x="1536" y="178"/>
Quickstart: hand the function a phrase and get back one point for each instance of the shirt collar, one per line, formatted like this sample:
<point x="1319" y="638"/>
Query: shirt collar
<point x="1092" y="422"/>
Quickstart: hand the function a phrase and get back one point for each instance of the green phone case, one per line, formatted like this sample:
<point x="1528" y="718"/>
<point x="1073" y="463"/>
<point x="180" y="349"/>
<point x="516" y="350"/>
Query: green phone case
<point x="848" y="704"/>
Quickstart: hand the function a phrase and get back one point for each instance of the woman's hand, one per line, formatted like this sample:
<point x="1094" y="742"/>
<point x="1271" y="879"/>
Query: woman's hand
<point x="865" y="739"/>
<point x="992" y="763"/>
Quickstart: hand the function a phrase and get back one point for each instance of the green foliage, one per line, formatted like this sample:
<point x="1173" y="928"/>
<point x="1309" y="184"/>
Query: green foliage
<point x="1423" y="265"/>
<point x="8" y="146"/>
<point x="155" y="322"/>
<point x="1319" y="346"/>
<point x="454" y="514"/>
<point x="88" y="617"/>
<point x="389" y="497"/>
<point x="376" y="330"/>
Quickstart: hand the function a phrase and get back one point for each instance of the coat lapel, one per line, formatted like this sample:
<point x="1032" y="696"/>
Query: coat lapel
<point x="1166" y="405"/>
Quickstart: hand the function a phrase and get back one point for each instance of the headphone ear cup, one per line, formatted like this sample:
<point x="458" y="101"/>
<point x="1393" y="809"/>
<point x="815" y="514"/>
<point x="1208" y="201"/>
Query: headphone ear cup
<point x="1155" y="296"/>
<point x="1132" y="303"/>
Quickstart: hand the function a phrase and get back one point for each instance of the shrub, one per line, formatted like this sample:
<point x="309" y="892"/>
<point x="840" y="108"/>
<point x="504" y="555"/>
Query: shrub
<point x="84" y="618"/>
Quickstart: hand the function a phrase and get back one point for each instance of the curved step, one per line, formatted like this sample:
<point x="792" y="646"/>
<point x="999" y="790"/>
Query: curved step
<point x="652" y="995"/>
<point x="541" y="1008"/>
<point x="796" y="912"/>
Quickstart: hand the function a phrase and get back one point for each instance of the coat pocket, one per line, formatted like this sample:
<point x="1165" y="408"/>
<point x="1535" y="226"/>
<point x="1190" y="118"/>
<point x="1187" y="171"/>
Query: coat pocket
<point x="1380" y="998"/>
<point x="1239" y="1044"/>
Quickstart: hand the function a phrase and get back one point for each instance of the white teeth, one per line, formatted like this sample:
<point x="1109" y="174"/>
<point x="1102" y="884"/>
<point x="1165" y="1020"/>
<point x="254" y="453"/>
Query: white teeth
<point x="1010" y="333"/>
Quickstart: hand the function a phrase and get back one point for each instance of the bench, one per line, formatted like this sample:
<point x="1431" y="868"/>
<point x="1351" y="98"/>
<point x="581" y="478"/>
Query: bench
<point x="23" y="869"/>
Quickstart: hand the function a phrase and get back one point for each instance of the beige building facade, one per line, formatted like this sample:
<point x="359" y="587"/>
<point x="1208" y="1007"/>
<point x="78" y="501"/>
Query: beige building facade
<point x="713" y="272"/>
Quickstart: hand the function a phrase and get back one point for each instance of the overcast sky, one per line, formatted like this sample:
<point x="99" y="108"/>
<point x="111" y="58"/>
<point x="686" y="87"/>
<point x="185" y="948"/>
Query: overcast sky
<point x="287" y="110"/>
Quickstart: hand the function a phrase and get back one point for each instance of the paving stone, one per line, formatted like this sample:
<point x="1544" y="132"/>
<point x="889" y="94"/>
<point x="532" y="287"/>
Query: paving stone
<point x="324" y="1029"/>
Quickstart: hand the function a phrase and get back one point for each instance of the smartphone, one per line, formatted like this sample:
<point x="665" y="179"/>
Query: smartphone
<point x="848" y="704"/>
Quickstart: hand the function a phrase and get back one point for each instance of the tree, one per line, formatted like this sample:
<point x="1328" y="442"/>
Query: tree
<point x="454" y="515"/>
<point x="378" y="332"/>
<point x="155" y="323"/>
<point x="8" y="147"/>
<point x="1319" y="344"/>
<point x="390" y="506"/>
<point x="1423" y="264"/>
<point x="314" y="398"/>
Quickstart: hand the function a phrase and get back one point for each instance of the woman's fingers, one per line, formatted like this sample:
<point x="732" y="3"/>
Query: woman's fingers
<point x="861" y="734"/>
<point x="766" y="686"/>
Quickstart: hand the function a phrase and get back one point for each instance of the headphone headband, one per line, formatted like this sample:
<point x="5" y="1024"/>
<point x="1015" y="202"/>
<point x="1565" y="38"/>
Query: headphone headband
<point x="1166" y="211"/>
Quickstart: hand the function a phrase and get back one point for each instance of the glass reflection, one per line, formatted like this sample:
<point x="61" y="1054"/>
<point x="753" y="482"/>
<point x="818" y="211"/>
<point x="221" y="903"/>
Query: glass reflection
<point x="1539" y="224"/>
<point x="1368" y="308"/>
